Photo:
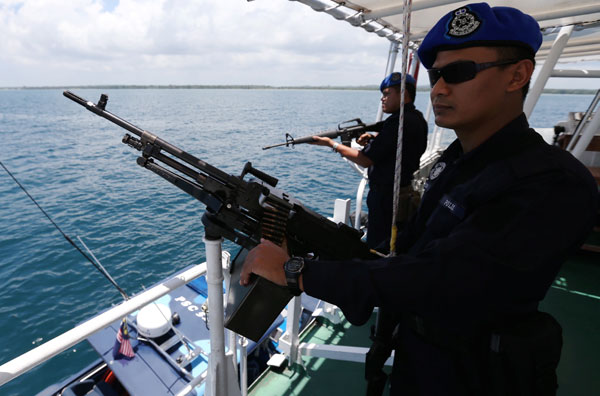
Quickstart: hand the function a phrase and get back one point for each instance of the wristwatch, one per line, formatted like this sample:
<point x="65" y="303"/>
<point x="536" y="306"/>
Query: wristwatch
<point x="293" y="268"/>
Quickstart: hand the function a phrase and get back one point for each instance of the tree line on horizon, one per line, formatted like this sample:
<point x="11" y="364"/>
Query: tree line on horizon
<point x="234" y="86"/>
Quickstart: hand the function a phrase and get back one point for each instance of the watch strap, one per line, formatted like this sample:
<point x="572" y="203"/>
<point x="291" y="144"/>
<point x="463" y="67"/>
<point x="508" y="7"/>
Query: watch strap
<point x="293" y="268"/>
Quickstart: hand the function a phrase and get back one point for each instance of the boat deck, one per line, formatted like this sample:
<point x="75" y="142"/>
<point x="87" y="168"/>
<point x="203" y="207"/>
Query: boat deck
<point x="574" y="300"/>
<point x="320" y="376"/>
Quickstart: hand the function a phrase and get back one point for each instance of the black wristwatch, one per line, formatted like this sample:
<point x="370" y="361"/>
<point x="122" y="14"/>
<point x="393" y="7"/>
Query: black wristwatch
<point x="293" y="268"/>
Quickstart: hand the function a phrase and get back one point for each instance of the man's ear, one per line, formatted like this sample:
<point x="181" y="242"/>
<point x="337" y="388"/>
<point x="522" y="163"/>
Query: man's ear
<point x="521" y="74"/>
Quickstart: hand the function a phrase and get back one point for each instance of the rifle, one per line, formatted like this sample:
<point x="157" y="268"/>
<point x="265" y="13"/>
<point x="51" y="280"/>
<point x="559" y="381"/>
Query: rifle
<point x="243" y="211"/>
<point x="344" y="131"/>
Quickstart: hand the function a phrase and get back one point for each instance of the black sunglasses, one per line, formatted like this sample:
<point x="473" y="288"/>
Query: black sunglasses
<point x="462" y="71"/>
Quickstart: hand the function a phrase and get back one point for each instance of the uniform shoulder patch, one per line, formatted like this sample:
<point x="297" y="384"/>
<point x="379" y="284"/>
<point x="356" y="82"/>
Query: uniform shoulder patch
<point x="463" y="23"/>
<point x="437" y="170"/>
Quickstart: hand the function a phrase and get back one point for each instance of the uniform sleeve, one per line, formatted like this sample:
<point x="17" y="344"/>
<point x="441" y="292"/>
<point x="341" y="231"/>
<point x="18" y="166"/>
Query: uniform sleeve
<point x="505" y="252"/>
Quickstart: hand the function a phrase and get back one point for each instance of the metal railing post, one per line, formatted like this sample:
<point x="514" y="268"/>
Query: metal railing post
<point x="540" y="82"/>
<point x="586" y="136"/>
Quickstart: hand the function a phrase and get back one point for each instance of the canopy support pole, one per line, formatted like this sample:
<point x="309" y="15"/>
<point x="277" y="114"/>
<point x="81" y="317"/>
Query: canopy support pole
<point x="540" y="82"/>
<point x="389" y="68"/>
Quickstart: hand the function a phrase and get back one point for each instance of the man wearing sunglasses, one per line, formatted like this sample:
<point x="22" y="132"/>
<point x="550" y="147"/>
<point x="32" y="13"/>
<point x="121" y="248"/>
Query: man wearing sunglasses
<point x="379" y="156"/>
<point x="501" y="212"/>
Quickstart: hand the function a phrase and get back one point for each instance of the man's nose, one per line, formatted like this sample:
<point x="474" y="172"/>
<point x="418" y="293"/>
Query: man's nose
<point x="439" y="88"/>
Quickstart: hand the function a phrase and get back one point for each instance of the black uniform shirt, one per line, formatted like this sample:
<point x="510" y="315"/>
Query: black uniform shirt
<point x="492" y="231"/>
<point x="382" y="150"/>
<point x="520" y="232"/>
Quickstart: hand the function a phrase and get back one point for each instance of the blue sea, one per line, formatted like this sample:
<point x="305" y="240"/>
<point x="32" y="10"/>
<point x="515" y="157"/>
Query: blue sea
<point x="138" y="225"/>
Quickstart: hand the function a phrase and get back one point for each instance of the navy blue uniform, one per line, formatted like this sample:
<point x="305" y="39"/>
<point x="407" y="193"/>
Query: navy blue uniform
<point x="382" y="152"/>
<point x="492" y="231"/>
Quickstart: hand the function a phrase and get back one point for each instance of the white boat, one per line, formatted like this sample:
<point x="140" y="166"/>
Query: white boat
<point x="571" y="36"/>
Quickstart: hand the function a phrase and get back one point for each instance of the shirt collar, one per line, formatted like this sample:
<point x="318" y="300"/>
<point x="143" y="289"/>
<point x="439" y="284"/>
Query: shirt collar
<point x="507" y="140"/>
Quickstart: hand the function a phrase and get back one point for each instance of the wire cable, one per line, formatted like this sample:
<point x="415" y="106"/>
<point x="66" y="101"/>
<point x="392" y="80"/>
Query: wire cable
<point x="65" y="235"/>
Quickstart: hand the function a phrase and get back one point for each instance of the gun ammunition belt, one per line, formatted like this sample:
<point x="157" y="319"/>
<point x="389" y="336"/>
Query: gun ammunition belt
<point x="274" y="221"/>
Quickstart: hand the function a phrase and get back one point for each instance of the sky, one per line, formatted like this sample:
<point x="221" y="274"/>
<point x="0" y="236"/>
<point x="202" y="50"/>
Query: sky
<point x="181" y="42"/>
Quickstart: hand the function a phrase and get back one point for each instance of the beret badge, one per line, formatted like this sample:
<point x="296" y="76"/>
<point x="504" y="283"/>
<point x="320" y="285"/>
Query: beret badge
<point x="463" y="23"/>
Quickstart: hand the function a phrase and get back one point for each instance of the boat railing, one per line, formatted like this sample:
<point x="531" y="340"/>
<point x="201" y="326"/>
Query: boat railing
<point x="359" y="197"/>
<point x="27" y="361"/>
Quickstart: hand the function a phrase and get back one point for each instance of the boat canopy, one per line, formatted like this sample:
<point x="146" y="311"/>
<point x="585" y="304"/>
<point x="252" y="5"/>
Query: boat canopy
<point x="384" y="18"/>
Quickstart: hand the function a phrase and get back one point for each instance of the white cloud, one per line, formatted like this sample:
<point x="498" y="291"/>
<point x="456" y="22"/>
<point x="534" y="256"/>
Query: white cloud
<point x="272" y="42"/>
<point x="54" y="42"/>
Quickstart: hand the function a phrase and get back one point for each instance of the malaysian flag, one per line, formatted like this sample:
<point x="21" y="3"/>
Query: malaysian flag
<point x="122" y="348"/>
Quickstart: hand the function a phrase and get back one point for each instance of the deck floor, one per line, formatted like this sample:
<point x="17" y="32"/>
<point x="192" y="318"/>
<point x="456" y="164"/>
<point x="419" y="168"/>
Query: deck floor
<point x="574" y="300"/>
<point x="321" y="376"/>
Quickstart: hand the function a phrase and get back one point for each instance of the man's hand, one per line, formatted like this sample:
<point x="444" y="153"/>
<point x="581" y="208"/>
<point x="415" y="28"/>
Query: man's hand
<point x="265" y="260"/>
<point x="322" y="141"/>
<point x="364" y="139"/>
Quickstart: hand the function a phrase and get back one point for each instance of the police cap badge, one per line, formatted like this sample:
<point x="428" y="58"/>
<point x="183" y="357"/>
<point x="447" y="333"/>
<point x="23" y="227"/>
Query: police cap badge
<point x="477" y="25"/>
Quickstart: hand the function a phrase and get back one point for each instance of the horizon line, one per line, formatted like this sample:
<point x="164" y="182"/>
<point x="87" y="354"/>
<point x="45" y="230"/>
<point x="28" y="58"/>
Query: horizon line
<point x="247" y="86"/>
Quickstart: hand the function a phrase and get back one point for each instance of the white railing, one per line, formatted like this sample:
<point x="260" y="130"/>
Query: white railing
<point x="221" y="366"/>
<point x="21" y="364"/>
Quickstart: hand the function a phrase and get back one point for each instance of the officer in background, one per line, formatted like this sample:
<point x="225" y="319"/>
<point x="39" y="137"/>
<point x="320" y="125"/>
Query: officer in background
<point x="489" y="236"/>
<point x="379" y="156"/>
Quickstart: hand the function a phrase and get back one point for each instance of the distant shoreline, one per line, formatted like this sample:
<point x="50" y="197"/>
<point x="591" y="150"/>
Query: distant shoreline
<point x="327" y="87"/>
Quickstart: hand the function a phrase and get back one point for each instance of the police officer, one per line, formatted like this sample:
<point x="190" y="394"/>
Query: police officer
<point x="379" y="155"/>
<point x="487" y="240"/>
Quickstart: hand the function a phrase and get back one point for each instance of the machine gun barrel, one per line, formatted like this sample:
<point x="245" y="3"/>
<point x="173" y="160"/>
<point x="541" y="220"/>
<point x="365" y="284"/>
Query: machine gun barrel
<point x="99" y="109"/>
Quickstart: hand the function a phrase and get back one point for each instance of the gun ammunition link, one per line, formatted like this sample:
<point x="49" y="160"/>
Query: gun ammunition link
<point x="274" y="221"/>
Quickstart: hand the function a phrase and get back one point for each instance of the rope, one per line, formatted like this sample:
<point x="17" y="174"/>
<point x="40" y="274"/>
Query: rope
<point x="398" y="170"/>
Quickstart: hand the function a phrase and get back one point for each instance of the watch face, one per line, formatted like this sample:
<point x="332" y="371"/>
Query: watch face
<point x="294" y="265"/>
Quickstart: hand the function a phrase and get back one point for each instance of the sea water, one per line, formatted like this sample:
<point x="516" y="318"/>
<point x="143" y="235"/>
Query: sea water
<point x="140" y="227"/>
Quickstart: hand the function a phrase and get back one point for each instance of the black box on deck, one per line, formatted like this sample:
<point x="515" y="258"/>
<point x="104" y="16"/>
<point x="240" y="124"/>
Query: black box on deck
<point x="252" y="309"/>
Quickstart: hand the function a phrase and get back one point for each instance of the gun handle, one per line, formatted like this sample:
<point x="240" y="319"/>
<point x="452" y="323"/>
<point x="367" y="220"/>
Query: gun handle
<point x="270" y="180"/>
<point x="252" y="309"/>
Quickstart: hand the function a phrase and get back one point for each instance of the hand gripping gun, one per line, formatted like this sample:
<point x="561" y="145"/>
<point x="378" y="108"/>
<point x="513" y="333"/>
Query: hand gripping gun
<point x="346" y="131"/>
<point x="243" y="211"/>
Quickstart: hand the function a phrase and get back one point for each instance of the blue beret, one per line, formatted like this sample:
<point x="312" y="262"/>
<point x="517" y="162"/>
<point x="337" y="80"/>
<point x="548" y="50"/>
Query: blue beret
<point x="395" y="79"/>
<point x="478" y="24"/>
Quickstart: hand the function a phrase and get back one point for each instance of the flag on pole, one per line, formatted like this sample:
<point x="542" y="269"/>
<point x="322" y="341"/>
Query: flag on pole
<point x="122" y="348"/>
